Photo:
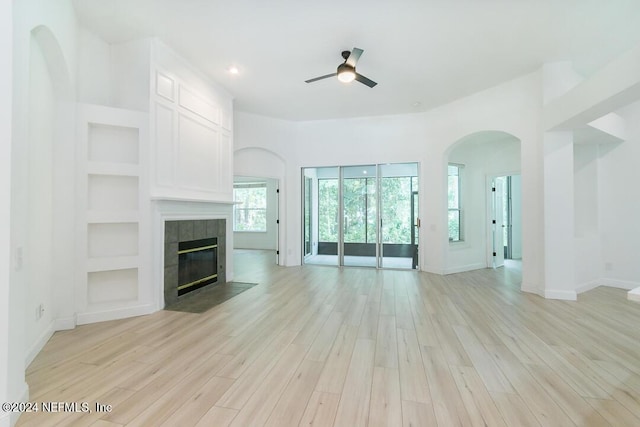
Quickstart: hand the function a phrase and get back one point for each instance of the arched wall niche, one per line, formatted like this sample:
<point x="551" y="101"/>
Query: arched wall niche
<point x="47" y="205"/>
<point x="56" y="62"/>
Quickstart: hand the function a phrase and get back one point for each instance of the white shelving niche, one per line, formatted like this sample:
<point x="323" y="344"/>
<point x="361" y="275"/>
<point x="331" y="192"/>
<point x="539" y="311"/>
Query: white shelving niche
<point x="115" y="218"/>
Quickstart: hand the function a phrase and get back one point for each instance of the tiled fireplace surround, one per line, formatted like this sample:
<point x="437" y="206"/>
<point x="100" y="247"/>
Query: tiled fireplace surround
<point x="178" y="220"/>
<point x="186" y="230"/>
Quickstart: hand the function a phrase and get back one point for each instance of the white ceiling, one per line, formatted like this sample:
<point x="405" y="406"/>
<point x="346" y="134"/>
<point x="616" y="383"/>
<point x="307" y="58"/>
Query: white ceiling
<point x="422" y="53"/>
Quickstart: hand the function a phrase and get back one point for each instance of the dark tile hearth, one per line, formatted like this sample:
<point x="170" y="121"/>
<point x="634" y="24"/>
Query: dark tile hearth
<point x="209" y="297"/>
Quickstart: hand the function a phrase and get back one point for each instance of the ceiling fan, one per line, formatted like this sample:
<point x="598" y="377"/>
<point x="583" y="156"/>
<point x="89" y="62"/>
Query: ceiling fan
<point x="347" y="70"/>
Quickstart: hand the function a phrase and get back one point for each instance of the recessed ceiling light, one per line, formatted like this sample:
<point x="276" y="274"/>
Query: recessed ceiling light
<point x="416" y="104"/>
<point x="233" y="70"/>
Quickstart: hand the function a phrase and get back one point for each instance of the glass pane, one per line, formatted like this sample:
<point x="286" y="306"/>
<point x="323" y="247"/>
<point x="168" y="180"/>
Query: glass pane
<point x="453" y="194"/>
<point x="454" y="225"/>
<point x="251" y="212"/>
<point x="396" y="192"/>
<point x="359" y="200"/>
<point x="307" y="215"/>
<point x="359" y="210"/>
<point x="328" y="210"/>
<point x="321" y="197"/>
<point x="396" y="210"/>
<point x="250" y="220"/>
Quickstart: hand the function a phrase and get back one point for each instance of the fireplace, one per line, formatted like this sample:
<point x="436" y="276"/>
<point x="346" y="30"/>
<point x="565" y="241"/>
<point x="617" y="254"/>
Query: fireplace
<point x="197" y="264"/>
<point x="194" y="257"/>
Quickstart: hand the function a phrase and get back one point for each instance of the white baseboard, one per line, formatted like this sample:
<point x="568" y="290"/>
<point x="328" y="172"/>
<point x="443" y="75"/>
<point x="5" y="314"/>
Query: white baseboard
<point x="463" y="268"/>
<point x="588" y="286"/>
<point x="634" y="294"/>
<point x="9" y="419"/>
<point x="65" y="323"/>
<point x="549" y="293"/>
<point x="5" y="419"/>
<point x="531" y="289"/>
<point x="40" y="343"/>
<point x="620" y="284"/>
<point x="585" y="287"/>
<point x="114" y="314"/>
<point x="561" y="295"/>
<point x="432" y="270"/>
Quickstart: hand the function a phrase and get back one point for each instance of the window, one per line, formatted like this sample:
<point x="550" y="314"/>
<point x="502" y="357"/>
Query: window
<point x="250" y="214"/>
<point x="454" y="205"/>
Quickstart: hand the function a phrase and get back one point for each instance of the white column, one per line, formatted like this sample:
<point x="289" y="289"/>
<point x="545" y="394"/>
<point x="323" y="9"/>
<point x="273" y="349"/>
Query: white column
<point x="559" y="218"/>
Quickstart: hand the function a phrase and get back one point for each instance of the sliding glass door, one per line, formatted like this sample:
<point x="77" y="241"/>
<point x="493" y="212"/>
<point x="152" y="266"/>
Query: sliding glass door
<point x="364" y="216"/>
<point x="398" y="214"/>
<point x="360" y="216"/>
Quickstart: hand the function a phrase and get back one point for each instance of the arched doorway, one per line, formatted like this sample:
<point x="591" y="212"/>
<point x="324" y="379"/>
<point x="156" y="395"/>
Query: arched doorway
<point x="263" y="170"/>
<point x="483" y="201"/>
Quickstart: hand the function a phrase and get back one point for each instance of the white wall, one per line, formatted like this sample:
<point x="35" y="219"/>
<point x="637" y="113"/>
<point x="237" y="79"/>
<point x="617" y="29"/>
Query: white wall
<point x="94" y="84"/>
<point x="269" y="137"/>
<point x="516" y="216"/>
<point x="425" y="138"/>
<point x="51" y="27"/>
<point x="9" y="389"/>
<point x="588" y="258"/>
<point x="619" y="203"/>
<point x="267" y="240"/>
<point x="40" y="245"/>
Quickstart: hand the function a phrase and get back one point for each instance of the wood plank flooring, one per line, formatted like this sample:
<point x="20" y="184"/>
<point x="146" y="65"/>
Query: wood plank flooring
<point x="322" y="346"/>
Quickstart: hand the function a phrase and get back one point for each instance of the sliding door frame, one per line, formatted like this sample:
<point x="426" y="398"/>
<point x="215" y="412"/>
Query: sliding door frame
<point x="379" y="245"/>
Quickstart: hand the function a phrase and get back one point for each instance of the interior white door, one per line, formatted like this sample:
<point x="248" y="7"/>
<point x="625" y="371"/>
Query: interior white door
<point x="498" y="222"/>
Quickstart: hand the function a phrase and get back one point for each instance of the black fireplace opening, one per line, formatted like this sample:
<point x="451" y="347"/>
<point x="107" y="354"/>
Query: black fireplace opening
<point x="197" y="264"/>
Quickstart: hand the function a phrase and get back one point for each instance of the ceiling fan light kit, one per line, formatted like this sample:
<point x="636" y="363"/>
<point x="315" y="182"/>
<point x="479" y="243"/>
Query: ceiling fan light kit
<point x="346" y="72"/>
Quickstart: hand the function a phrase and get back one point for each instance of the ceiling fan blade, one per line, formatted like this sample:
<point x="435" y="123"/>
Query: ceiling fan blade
<point x="321" y="77"/>
<point x="353" y="58"/>
<point x="362" y="79"/>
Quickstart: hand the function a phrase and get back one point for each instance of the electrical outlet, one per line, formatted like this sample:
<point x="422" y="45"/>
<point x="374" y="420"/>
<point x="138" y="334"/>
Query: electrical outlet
<point x="608" y="266"/>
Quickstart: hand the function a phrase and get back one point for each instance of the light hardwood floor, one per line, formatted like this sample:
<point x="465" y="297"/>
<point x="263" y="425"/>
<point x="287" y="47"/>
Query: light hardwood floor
<point x="324" y="346"/>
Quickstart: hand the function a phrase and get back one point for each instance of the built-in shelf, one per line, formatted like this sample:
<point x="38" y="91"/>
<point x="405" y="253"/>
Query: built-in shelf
<point x="117" y="169"/>
<point x="105" y="287"/>
<point x="114" y="168"/>
<point x="113" y="239"/>
<point x="182" y="199"/>
<point x="112" y="263"/>
<point x="115" y="144"/>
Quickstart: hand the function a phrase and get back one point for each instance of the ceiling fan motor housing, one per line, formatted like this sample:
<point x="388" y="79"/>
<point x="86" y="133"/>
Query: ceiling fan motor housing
<point x="346" y="68"/>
